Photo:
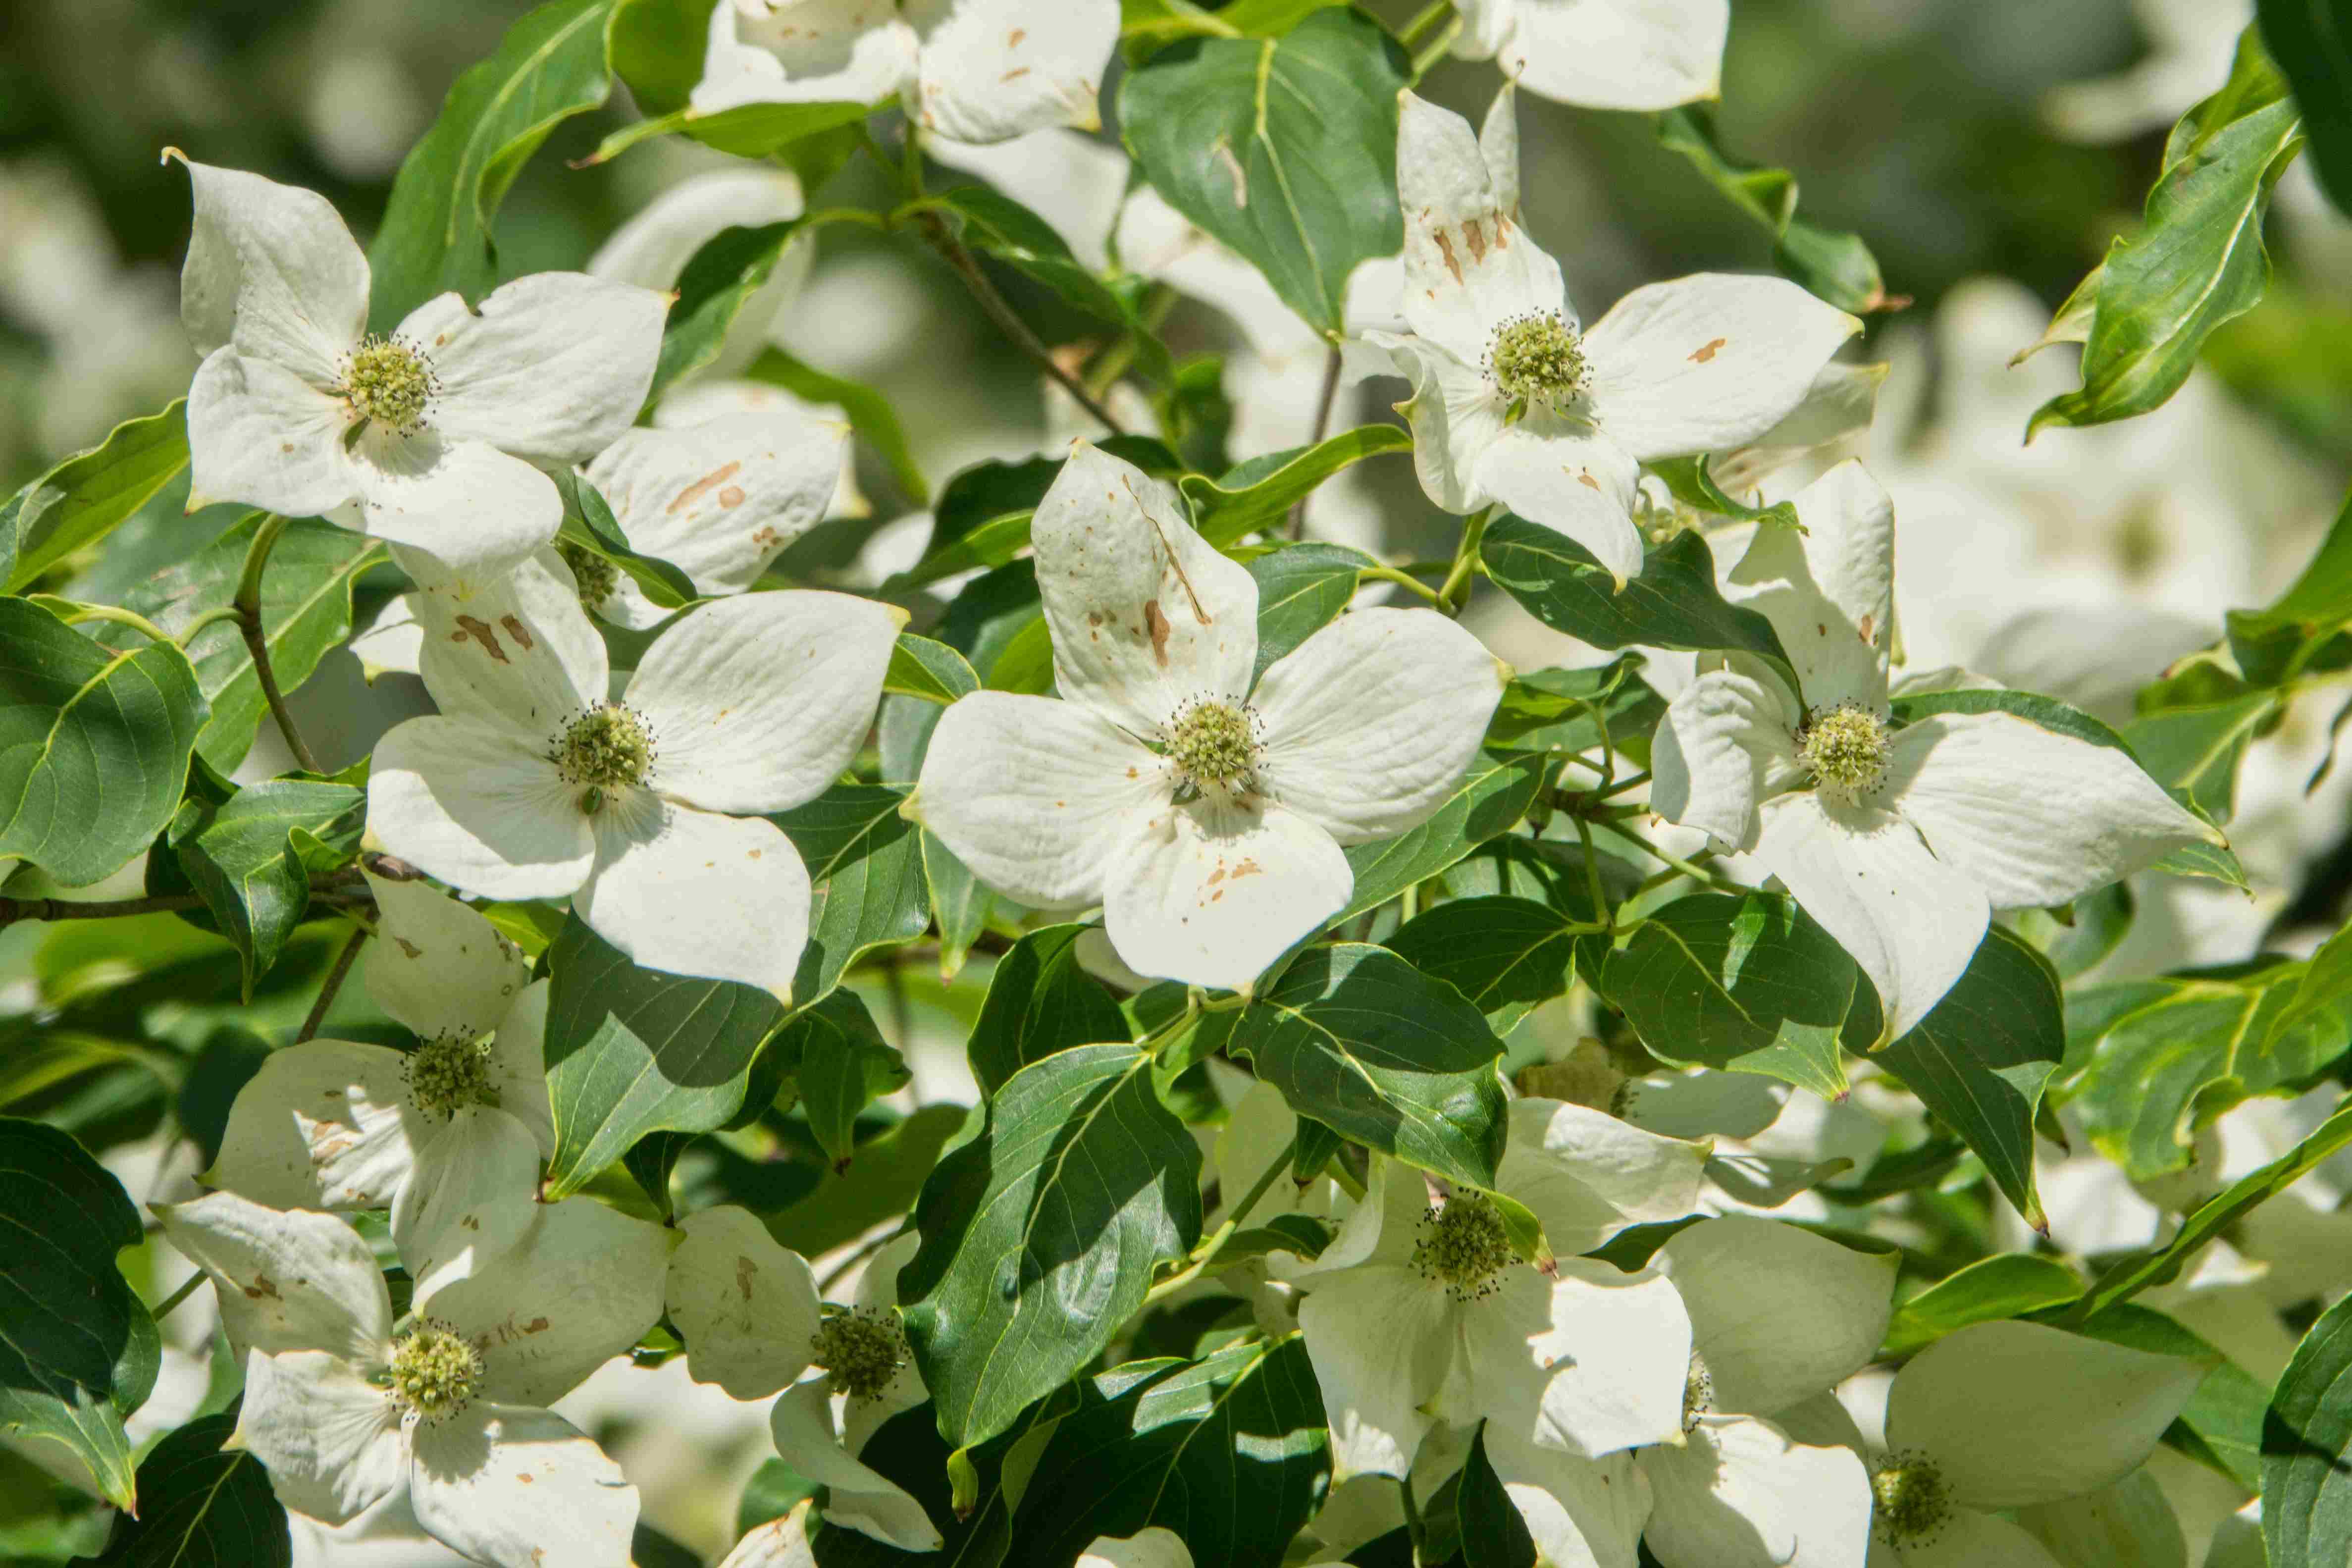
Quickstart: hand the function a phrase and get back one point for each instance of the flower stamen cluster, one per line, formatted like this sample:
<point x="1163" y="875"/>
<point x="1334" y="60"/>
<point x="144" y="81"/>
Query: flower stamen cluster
<point x="1538" y="358"/>
<point x="607" y="747"/>
<point x="1214" y="745"/>
<point x="388" y="382"/>
<point x="861" y="1350"/>
<point x="1912" y="1502"/>
<point x="597" y="577"/>
<point x="1845" y="748"/>
<point x="1464" y="1246"/>
<point x="450" y="1072"/>
<point x="435" y="1371"/>
<point x="1699" y="1391"/>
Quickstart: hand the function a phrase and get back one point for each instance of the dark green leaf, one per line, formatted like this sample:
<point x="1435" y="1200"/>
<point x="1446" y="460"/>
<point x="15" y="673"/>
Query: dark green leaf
<point x="1040" y="1001"/>
<point x="656" y="48"/>
<point x="632" y="1051"/>
<point x="201" y="1505"/>
<point x="1301" y="589"/>
<point x="88" y="496"/>
<point x="718" y="282"/>
<point x="589" y="524"/>
<point x="868" y="411"/>
<point x="2008" y="1285"/>
<point x="1505" y="955"/>
<point x="1261" y="492"/>
<point x="866" y="862"/>
<point x="994" y="223"/>
<point x="1364" y="1043"/>
<point x="2307" y="1450"/>
<point x="1566" y="711"/>
<point x="1078" y="1184"/>
<point x="841" y="1065"/>
<point x="1834" y="264"/>
<point x="241" y="858"/>
<point x="880" y="1184"/>
<point x="93" y="744"/>
<point x="230" y="1058"/>
<point x="2311" y="41"/>
<point x="1285" y="150"/>
<point x="1492" y="1533"/>
<point x="1490" y="800"/>
<point x="435" y="235"/>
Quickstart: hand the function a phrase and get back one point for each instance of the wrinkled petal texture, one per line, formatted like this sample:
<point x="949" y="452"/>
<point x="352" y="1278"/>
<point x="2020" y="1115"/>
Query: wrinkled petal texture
<point x="261" y="435"/>
<point x="1553" y="471"/>
<point x="519" y="1487"/>
<point x="1724" y="740"/>
<point x="326" y="1124"/>
<point x="271" y="269"/>
<point x="286" y="1282"/>
<point x="815" y="51"/>
<point x="330" y="1438"/>
<point x="1829" y="591"/>
<point x="1615" y="54"/>
<point x="746" y="1306"/>
<point x="438" y="967"/>
<point x="989" y="70"/>
<point x="551" y="367"/>
<point x="1468" y="266"/>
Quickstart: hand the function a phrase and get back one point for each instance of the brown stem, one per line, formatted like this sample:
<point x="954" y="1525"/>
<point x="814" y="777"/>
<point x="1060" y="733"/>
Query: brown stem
<point x="249" y="623"/>
<point x="334" y="982"/>
<point x="1322" y="428"/>
<point x="1009" y="321"/>
<point x="15" y="909"/>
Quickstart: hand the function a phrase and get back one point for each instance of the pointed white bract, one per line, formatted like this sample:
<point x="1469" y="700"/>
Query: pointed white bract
<point x="1900" y="841"/>
<point x="648" y="810"/>
<point x="970" y="70"/>
<point x="344" y="1406"/>
<point x="431" y="436"/>
<point x="1601" y="54"/>
<point x="1206" y="817"/>
<point x="1516" y="404"/>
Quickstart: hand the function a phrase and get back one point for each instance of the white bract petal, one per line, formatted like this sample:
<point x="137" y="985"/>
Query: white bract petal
<point x="746" y="1306"/>
<point x="828" y="51"/>
<point x="518" y="1065"/>
<point x="694" y="893"/>
<point x="1557" y="472"/>
<point x="1587" y="1175"/>
<point x="1603" y="54"/>
<point x="272" y="269"/>
<point x="719" y="501"/>
<point x="1455" y="415"/>
<point x="1377" y="1336"/>
<point x="326" y="1124"/>
<point x="1829" y="591"/>
<point x="758" y="703"/>
<point x="1618" y="1347"/>
<point x="1157" y="1547"/>
<point x="260" y="434"/>
<point x="860" y="1499"/>
<point x="1211" y="892"/>
<point x="1777" y="1314"/>
<point x="1967" y="1539"/>
<point x="1727" y="743"/>
<point x="471" y="1196"/>
<point x="520" y="1488"/>
<point x="479" y="808"/>
<point x="1469" y="270"/>
<point x="2012" y="1413"/>
<point x="551" y="367"/>
<point x="1368" y="725"/>
<point x="1736" y="1493"/>
<point x="1579" y="1512"/>
<point x="330" y="1438"/>
<point x="516" y="652"/>
<point x="1037" y="796"/>
<point x="989" y="70"/>
<point x="480" y="512"/>
<point x="286" y="1282"/>
<point x="437" y="966"/>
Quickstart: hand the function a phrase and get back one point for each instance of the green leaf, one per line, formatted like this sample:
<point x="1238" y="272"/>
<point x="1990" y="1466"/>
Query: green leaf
<point x="1078" y="1184"/>
<point x="89" y="495"/>
<point x="2222" y="1426"/>
<point x="1745" y="982"/>
<point x="1980" y="1056"/>
<point x="1571" y="710"/>
<point x="1196" y="417"/>
<point x="2198" y="259"/>
<point x="1490" y="800"/>
<point x="2311" y="42"/>
<point x="632" y="1051"/>
<point x="1285" y="150"/>
<point x="1228" y="1451"/>
<point x="1260" y="493"/>
<point x="1505" y="955"/>
<point x="1301" y="589"/>
<point x="2008" y="1285"/>
<point x="868" y="411"/>
<point x="201" y="1505"/>
<point x="720" y="278"/>
<point x="842" y="1065"/>
<point x="882" y="1182"/>
<point x="306" y="613"/>
<point x="994" y="223"/>
<point x="1040" y="1001"/>
<point x="1493" y="1535"/>
<point x="929" y="670"/>
<point x="589" y="524"/>
<point x="1833" y="264"/>
<point x="2307" y="1450"/>
<point x="866" y="862"/>
<point x="657" y="47"/>
<point x="1361" y="1041"/>
<point x="1672" y="603"/>
<point x="242" y="858"/>
<point x="87" y="1426"/>
<point x="2300" y="632"/>
<point x="93" y="744"/>
<point x="747" y="131"/>
<point x="435" y="235"/>
<point x="2084" y="934"/>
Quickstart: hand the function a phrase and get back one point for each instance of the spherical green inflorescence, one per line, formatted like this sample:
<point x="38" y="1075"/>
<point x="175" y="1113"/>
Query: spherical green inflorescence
<point x="861" y="1350"/>
<point x="1214" y="745"/>
<point x="388" y="382"/>
<point x="1464" y="1246"/>
<point x="1911" y="1501"/>
<point x="605" y="748"/>
<point x="597" y="577"/>
<point x="450" y="1072"/>
<point x="1699" y="1391"/>
<point x="1845" y="748"/>
<point x="1536" y="359"/>
<point x="435" y="1371"/>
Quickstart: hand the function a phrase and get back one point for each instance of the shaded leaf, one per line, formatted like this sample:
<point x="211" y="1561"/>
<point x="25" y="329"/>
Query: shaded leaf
<point x="1040" y="1001"/>
<point x="881" y="1184"/>
<point x="1834" y="264"/>
<point x="1259" y="492"/>
<point x="995" y="224"/>
<point x="201" y="1505"/>
<point x="842" y="1065"/>
<point x="88" y="495"/>
<point x="866" y="862"/>
<point x="1496" y="792"/>
<point x="242" y="858"/>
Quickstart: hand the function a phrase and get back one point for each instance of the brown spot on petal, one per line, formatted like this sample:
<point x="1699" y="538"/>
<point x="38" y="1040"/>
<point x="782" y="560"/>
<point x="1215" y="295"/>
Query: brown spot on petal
<point x="1158" y="622"/>
<point x="1247" y="868"/>
<point x="731" y="497"/>
<point x="1476" y="241"/>
<point x="263" y="1285"/>
<point x="1016" y="74"/>
<point x="1585" y="478"/>
<point x="481" y="632"/>
<point x="1705" y="352"/>
<point x="408" y="947"/>
<point x="1445" y="249"/>
<point x="694" y="491"/>
<point x="744" y="1270"/>
<point x="1013" y="42"/>
<point x="1869" y="628"/>
<point x="517" y="630"/>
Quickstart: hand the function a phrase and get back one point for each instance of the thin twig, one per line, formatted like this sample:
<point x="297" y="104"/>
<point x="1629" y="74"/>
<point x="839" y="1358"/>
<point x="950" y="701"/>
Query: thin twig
<point x="1330" y="395"/>
<point x="1455" y="591"/>
<point x="163" y="1309"/>
<point x="335" y="984"/>
<point x="1008" y="321"/>
<point x="871" y="1246"/>
<point x="257" y="643"/>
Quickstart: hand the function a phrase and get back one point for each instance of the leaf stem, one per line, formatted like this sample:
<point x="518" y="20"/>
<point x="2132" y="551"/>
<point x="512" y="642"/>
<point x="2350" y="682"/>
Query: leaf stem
<point x="1007" y="319"/>
<point x="1456" y="589"/>
<point x="163" y="1309"/>
<point x="1699" y="874"/>
<point x="211" y="617"/>
<point x="1329" y="396"/>
<point x="1599" y="894"/>
<point x="119" y="616"/>
<point x="1429" y="20"/>
<point x="1281" y="1163"/>
<point x="334" y="982"/>
<point x="1402" y="579"/>
<point x="247" y="605"/>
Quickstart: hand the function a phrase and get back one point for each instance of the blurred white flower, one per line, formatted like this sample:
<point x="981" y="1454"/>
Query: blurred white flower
<point x="1603" y="54"/>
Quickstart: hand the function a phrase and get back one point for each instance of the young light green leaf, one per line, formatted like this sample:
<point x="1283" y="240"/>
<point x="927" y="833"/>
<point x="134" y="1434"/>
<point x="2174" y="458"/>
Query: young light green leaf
<point x="2009" y="1285"/>
<point x="929" y="670"/>
<point x="1040" y="1001"/>
<point x="1259" y="492"/>
<point x="747" y="131"/>
<point x="1834" y="264"/>
<point x="88" y="496"/>
<point x="866" y="862"/>
<point x="1492" y="798"/>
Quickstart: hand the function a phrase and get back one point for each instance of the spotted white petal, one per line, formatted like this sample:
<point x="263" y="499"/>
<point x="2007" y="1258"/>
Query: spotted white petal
<point x="1779" y="1315"/>
<point x="1144" y="614"/>
<point x="1829" y="590"/>
<point x="1736" y="1493"/>
<point x="437" y="966"/>
<point x="746" y="1306"/>
<point x="476" y="509"/>
<point x="520" y="1488"/>
<point x="778" y="1543"/>
<point x="331" y="1439"/>
<point x="718" y="500"/>
<point x="261" y="435"/>
<point x="1728" y="743"/>
<point x="2032" y="817"/>
<point x="479" y="808"/>
<point x="695" y="892"/>
<point x="1036" y="796"/>
<point x="1909" y="919"/>
<point x="327" y="1124"/>
<point x="1572" y="480"/>
<point x="860" y="1499"/>
<point x="285" y="1280"/>
<point x="470" y="1197"/>
<point x="1579" y="1512"/>
<point x="990" y="70"/>
<point x="1367" y="726"/>
<point x="1455" y="415"/>
<point x="1707" y="362"/>
<point x="1606" y="54"/>
<point x="1211" y="892"/>
<point x="818" y="51"/>
<point x="1380" y="1340"/>
<point x="1587" y="1175"/>
<point x="758" y="703"/>
<point x="271" y="269"/>
<point x="1469" y="269"/>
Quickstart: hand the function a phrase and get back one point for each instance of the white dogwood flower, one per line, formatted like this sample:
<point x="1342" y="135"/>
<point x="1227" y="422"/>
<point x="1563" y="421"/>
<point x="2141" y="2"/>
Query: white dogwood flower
<point x="431" y="429"/>
<point x="344" y="1405"/>
<point x="534" y="783"/>
<point x="1513" y="403"/>
<point x="435" y="1134"/>
<point x="1603" y="54"/>
<point x="2007" y="1416"/>
<point x="972" y="70"/>
<point x="1900" y="841"/>
<point x="1203" y="811"/>
<point x="1419" y="1315"/>
<point x="749" y="1311"/>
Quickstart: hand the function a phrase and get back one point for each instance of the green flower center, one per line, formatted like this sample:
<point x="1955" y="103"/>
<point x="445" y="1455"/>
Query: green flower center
<point x="862" y="1350"/>
<point x="434" y="1371"/>
<point x="1845" y="748"/>
<point x="597" y="577"/>
<point x="1699" y="1391"/>
<point x="1463" y="1246"/>
<point x="607" y="747"/>
<point x="388" y="382"/>
<point x="1214" y="745"/>
<point x="1536" y="359"/>
<point x="450" y="1072"/>
<point x="1911" y="1501"/>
